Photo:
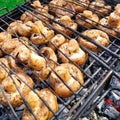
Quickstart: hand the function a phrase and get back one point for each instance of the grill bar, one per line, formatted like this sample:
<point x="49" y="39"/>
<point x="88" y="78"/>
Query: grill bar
<point x="33" y="90"/>
<point x="98" y="101"/>
<point x="25" y="102"/>
<point x="102" y="62"/>
<point x="94" y="88"/>
<point x="13" y="111"/>
<point x="88" y="101"/>
<point x="75" y="13"/>
<point x="57" y="48"/>
<point x="78" y="103"/>
<point x="63" y="24"/>
<point x="77" y="34"/>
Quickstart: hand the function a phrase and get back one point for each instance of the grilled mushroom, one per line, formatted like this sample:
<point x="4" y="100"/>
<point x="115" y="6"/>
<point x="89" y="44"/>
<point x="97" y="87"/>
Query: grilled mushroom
<point x="25" y="29"/>
<point x="71" y="76"/>
<point x="4" y="69"/>
<point x="72" y="50"/>
<point x="10" y="44"/>
<point x="67" y="21"/>
<point x="56" y="41"/>
<point x="67" y="10"/>
<point x="112" y="22"/>
<point x="36" y="62"/>
<point x="87" y="19"/>
<point x="51" y="63"/>
<point x="97" y="35"/>
<point x="40" y="109"/>
<point x="54" y="4"/>
<point x="13" y="27"/>
<point x="3" y="37"/>
<point x="19" y="56"/>
<point x="80" y="5"/>
<point x="100" y="8"/>
<point x="9" y="85"/>
<point x="26" y="16"/>
<point x="44" y="36"/>
<point x="104" y="25"/>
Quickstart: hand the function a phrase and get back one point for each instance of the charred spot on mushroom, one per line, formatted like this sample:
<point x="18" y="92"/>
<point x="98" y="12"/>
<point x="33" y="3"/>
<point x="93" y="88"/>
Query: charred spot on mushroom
<point x="46" y="53"/>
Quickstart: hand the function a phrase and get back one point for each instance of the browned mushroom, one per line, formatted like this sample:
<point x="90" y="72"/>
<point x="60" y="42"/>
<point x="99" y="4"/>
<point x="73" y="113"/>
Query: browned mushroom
<point x="71" y="76"/>
<point x="11" y="91"/>
<point x="97" y="35"/>
<point x="40" y="110"/>
<point x="72" y="50"/>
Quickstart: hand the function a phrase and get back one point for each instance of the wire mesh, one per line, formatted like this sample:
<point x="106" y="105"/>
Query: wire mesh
<point x="103" y="71"/>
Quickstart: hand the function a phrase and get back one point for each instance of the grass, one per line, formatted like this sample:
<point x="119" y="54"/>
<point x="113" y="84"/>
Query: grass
<point x="10" y="4"/>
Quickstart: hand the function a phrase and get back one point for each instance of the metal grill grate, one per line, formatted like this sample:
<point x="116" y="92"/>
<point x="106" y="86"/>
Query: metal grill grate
<point x="103" y="63"/>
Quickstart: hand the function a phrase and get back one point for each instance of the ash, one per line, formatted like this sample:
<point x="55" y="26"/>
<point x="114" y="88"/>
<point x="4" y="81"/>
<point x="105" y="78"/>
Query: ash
<point x="109" y="107"/>
<point x="3" y="113"/>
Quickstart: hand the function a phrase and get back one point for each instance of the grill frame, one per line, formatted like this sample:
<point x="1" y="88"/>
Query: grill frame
<point x="107" y="68"/>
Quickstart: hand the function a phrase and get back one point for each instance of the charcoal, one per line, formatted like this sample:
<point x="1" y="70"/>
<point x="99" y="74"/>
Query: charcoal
<point x="115" y="83"/>
<point x="103" y="118"/>
<point x="84" y="118"/>
<point x="111" y="112"/>
<point x="104" y="110"/>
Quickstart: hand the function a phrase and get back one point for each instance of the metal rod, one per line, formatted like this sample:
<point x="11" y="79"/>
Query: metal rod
<point x="5" y="96"/>
<point x="77" y="32"/>
<point x="25" y="102"/>
<point x="89" y="100"/>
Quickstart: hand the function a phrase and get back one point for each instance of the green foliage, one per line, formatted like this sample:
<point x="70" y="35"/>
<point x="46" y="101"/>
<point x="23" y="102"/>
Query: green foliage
<point x="10" y="4"/>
